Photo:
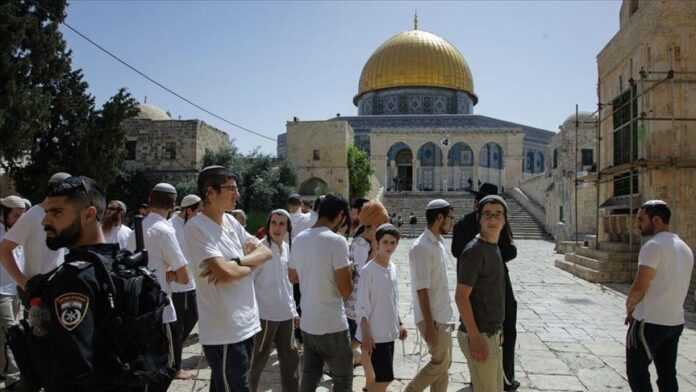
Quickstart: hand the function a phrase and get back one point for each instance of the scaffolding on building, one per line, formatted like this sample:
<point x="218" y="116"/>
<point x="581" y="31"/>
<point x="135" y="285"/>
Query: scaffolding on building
<point x="637" y="93"/>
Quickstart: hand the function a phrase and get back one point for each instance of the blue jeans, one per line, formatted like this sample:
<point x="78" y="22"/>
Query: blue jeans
<point x="229" y="366"/>
<point x="332" y="349"/>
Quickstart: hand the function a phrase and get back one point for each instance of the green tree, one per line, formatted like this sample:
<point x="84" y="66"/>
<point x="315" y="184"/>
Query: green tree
<point x="359" y="172"/>
<point x="48" y="120"/>
<point x="33" y="59"/>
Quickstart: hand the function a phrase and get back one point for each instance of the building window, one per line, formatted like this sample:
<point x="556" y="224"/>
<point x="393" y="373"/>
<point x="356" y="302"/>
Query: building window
<point x="315" y="155"/>
<point x="130" y="150"/>
<point x="622" y="184"/>
<point x="587" y="157"/>
<point x="555" y="158"/>
<point x="170" y="151"/>
<point x="625" y="127"/>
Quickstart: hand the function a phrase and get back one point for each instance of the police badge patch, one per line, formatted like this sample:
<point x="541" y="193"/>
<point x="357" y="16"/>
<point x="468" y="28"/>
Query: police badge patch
<point x="71" y="309"/>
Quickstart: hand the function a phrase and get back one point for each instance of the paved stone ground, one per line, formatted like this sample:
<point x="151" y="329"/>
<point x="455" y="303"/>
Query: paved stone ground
<point x="570" y="334"/>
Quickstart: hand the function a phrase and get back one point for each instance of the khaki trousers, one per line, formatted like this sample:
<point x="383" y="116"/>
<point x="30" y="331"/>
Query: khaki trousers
<point x="486" y="376"/>
<point x="435" y="373"/>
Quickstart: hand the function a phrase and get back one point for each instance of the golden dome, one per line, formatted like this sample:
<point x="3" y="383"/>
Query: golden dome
<point x="416" y="59"/>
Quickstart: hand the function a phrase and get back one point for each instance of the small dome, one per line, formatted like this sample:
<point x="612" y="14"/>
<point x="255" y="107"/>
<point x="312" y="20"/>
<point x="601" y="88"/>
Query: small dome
<point x="416" y="59"/>
<point x="583" y="117"/>
<point x="150" y="112"/>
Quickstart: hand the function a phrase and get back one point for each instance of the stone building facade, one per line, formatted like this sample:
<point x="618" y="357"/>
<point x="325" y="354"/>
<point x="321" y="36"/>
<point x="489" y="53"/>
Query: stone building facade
<point x="168" y="149"/>
<point x="647" y="87"/>
<point x="572" y="151"/>
<point x="415" y="121"/>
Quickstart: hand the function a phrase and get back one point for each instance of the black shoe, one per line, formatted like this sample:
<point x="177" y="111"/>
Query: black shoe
<point x="512" y="386"/>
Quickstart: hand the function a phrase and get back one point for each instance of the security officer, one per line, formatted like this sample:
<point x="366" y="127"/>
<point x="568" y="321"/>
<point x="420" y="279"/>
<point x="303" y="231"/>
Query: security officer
<point x="72" y="302"/>
<point x="463" y="232"/>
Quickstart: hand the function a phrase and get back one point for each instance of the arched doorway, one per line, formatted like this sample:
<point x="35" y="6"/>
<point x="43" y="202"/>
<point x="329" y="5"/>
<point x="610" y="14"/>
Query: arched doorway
<point x="491" y="165"/>
<point x="460" y="161"/>
<point x="399" y="168"/>
<point x="430" y="177"/>
<point x="314" y="187"/>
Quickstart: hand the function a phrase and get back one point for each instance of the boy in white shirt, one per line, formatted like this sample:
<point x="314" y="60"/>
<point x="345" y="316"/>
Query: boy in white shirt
<point x="276" y="306"/>
<point x="115" y="232"/>
<point x="378" y="311"/>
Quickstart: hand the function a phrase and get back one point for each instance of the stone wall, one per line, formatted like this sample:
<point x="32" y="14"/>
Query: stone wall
<point x="658" y="37"/>
<point x="319" y="149"/>
<point x="535" y="188"/>
<point x="561" y="191"/>
<point x="171" y="145"/>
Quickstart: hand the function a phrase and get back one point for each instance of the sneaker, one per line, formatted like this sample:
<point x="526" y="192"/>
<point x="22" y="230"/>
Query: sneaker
<point x="512" y="386"/>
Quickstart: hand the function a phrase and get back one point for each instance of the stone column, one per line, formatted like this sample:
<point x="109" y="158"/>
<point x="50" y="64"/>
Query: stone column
<point x="416" y="174"/>
<point x="444" y="181"/>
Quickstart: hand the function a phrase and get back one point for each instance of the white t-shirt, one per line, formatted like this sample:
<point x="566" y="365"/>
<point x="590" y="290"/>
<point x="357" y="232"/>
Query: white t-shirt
<point x="378" y="302"/>
<point x="359" y="251"/>
<point x="300" y="222"/>
<point x="673" y="260"/>
<point x="7" y="285"/>
<point x="178" y="224"/>
<point x="29" y="233"/>
<point x="427" y="259"/>
<point x="273" y="288"/>
<point x="226" y="313"/>
<point x="316" y="255"/>
<point x="118" y="236"/>
<point x="163" y="252"/>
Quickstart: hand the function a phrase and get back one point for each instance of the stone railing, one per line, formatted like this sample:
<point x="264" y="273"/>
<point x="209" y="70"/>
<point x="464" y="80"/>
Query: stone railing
<point x="535" y="187"/>
<point x="535" y="209"/>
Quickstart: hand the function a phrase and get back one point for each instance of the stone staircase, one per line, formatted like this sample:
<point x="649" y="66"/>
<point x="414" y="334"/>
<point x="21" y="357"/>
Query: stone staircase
<point x="613" y="262"/>
<point x="404" y="203"/>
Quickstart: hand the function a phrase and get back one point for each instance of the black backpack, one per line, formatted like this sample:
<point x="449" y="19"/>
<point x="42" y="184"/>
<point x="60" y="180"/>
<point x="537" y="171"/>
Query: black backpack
<point x="122" y="340"/>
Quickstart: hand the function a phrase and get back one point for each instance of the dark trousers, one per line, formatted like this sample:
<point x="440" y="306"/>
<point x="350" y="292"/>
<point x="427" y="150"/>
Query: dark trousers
<point x="509" y="333"/>
<point x="646" y="343"/>
<point x="186" y="318"/>
<point x="229" y="366"/>
<point x="278" y="334"/>
<point x="297" y="296"/>
<point x="332" y="349"/>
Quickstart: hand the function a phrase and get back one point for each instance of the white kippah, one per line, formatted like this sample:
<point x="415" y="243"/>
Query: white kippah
<point x="654" y="203"/>
<point x="122" y="205"/>
<point x="58" y="177"/>
<point x="190" y="200"/>
<point x="281" y="211"/>
<point x="490" y="198"/>
<point x="164" y="188"/>
<point x="13" y="202"/>
<point x="437" y="204"/>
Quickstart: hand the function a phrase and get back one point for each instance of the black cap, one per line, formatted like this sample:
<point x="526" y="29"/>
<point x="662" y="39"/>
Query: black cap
<point x="486" y="189"/>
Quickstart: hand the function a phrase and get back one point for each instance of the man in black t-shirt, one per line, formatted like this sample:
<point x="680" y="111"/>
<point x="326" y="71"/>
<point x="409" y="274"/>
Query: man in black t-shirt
<point x="463" y="232"/>
<point x="480" y="298"/>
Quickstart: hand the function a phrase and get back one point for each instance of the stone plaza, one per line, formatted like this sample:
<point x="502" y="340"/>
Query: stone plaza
<point x="570" y="334"/>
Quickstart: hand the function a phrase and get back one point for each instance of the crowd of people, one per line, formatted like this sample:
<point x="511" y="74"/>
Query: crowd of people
<point x="320" y="285"/>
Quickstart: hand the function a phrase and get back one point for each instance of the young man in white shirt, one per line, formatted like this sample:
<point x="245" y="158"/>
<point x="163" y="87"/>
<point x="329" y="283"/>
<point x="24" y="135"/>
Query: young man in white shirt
<point x="319" y="262"/>
<point x="655" y="302"/>
<point x="223" y="255"/>
<point x="184" y="295"/>
<point x="378" y="311"/>
<point x="28" y="232"/>
<point x="115" y="232"/>
<point x="299" y="220"/>
<point x="12" y="208"/>
<point x="164" y="253"/>
<point x="432" y="306"/>
<point x="276" y="306"/>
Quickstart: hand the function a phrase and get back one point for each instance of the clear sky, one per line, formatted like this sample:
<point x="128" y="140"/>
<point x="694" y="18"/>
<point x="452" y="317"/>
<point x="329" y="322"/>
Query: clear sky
<point x="261" y="63"/>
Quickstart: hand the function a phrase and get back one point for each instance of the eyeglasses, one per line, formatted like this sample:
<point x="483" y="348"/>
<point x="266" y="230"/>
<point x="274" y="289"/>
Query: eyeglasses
<point x="488" y="215"/>
<point x="231" y="188"/>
